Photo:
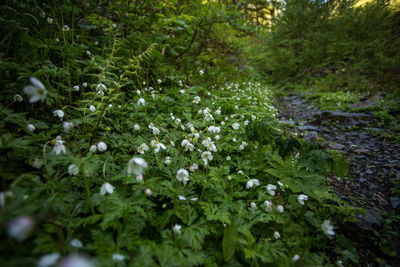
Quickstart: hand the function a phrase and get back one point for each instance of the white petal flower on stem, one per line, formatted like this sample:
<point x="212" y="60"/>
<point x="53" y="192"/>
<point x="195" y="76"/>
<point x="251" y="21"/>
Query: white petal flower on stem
<point x="84" y="84"/>
<point x="141" y="101"/>
<point x="118" y="257"/>
<point x="206" y="156"/>
<point x="65" y="28"/>
<point x="59" y="113"/>
<point x="136" y="166"/>
<point x="235" y="126"/>
<point x="101" y="87"/>
<point x="277" y="235"/>
<point x="327" y="228"/>
<point x="76" y="88"/>
<point x="106" y="188"/>
<point x="18" y="98"/>
<point x="76" y="243"/>
<point x="159" y="81"/>
<point x="167" y="161"/>
<point x="59" y="146"/>
<point x="93" y="148"/>
<point x="156" y="131"/>
<point x="177" y="229"/>
<point x="253" y="205"/>
<point x="201" y="72"/>
<point x="196" y="100"/>
<point x="187" y="145"/>
<point x="252" y="182"/>
<point x="268" y="206"/>
<point x="295" y="258"/>
<point x="48" y="260"/>
<point x="36" y="91"/>
<point x="73" y="169"/>
<point x="180" y="197"/>
<point x="20" y="228"/>
<point x="76" y="260"/>
<point x="31" y="127"/>
<point x="67" y="125"/>
<point x="271" y="189"/>
<point x="143" y="148"/>
<point x="136" y="127"/>
<point x="301" y="198"/>
<point x="182" y="176"/>
<point x="148" y="192"/>
<point x="92" y="108"/>
<point x="157" y="146"/>
<point x="279" y="208"/>
<point x="193" y="167"/>
<point x="101" y="146"/>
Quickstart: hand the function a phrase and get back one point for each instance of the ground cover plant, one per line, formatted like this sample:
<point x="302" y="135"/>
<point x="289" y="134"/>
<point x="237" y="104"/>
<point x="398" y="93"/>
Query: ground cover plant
<point x="133" y="133"/>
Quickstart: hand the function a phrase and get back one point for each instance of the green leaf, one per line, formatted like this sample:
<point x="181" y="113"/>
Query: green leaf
<point x="229" y="241"/>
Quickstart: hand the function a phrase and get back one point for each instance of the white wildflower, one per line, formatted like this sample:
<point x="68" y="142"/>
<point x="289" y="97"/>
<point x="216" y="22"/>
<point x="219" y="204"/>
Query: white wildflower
<point x="235" y="126"/>
<point x="76" y="260"/>
<point x="73" y="169"/>
<point x="101" y="146"/>
<point x="67" y="125"/>
<point x="159" y="81"/>
<point x="201" y="72"/>
<point x="65" y="28"/>
<point x="193" y="167"/>
<point x="206" y="156"/>
<point x="277" y="235"/>
<point x="182" y="176"/>
<point x="328" y="228"/>
<point x="84" y="84"/>
<point x="92" y="108"/>
<point x="301" y="198"/>
<point x="31" y="127"/>
<point x="180" y="197"/>
<point x="271" y="189"/>
<point x="268" y="206"/>
<point x="106" y="188"/>
<point x="148" y="192"/>
<point x="167" y="161"/>
<point x="59" y="113"/>
<point x="76" y="88"/>
<point x="196" y="100"/>
<point x="76" y="243"/>
<point x="252" y="182"/>
<point x="136" y="165"/>
<point x="141" y="101"/>
<point x="155" y="130"/>
<point x="59" y="146"/>
<point x="187" y="145"/>
<point x="20" y="227"/>
<point x="48" y="260"/>
<point x="118" y="257"/>
<point x="93" y="148"/>
<point x="157" y="146"/>
<point x="177" y="229"/>
<point x="143" y="148"/>
<point x="253" y="205"/>
<point x="36" y="91"/>
<point x="279" y="208"/>
<point x="136" y="127"/>
<point x="18" y="98"/>
<point x="295" y="258"/>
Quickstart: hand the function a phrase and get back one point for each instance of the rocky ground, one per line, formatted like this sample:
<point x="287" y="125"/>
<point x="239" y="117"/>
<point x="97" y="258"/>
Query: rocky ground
<point x="374" y="165"/>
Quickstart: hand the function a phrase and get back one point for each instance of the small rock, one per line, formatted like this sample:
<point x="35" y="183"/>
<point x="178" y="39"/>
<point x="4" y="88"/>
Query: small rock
<point x="311" y="136"/>
<point x="336" y="146"/>
<point x="395" y="201"/>
<point x="367" y="221"/>
<point x="309" y="128"/>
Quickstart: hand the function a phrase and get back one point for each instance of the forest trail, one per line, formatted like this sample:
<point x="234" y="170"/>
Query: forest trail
<point x="374" y="164"/>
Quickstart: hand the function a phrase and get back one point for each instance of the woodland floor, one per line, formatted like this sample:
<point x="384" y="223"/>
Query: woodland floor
<point x="374" y="166"/>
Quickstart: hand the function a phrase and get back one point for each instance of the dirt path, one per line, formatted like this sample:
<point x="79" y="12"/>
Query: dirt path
<point x="374" y="166"/>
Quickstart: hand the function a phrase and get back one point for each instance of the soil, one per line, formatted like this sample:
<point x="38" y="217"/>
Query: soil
<point x="374" y="166"/>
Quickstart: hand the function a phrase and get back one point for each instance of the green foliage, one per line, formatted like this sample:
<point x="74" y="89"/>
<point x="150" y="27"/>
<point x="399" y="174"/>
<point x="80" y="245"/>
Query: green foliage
<point x="135" y="79"/>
